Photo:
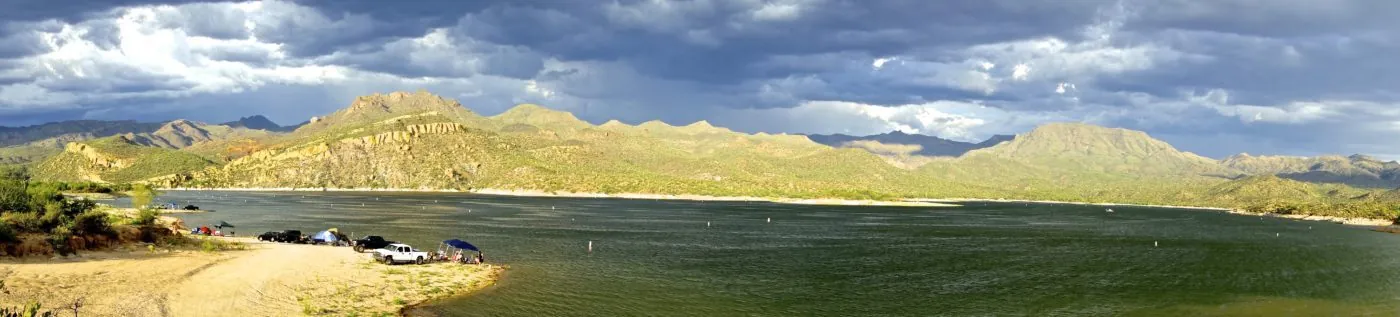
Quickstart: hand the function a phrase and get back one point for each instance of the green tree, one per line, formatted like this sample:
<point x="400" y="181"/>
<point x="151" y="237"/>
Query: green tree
<point x="142" y="196"/>
<point x="14" y="190"/>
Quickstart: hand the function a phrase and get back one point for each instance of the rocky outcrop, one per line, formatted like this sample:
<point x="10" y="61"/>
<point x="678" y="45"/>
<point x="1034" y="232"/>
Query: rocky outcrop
<point x="94" y="156"/>
<point x="435" y="128"/>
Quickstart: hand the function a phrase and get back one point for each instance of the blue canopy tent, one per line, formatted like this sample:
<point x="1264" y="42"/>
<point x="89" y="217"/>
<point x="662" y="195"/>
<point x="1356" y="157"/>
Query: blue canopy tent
<point x="458" y="244"/>
<point x="455" y="243"/>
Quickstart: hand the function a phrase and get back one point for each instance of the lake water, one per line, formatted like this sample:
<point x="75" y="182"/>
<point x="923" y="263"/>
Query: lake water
<point x="679" y="258"/>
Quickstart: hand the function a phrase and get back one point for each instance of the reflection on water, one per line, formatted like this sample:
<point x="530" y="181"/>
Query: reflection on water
<point x="660" y="257"/>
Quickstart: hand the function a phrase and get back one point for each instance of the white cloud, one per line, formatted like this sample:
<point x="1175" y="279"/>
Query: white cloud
<point x="533" y="87"/>
<point x="656" y="15"/>
<point x="1020" y="72"/>
<point x="954" y="120"/>
<point x="880" y="62"/>
<point x="778" y="11"/>
<point x="1064" y="87"/>
<point x="152" y="51"/>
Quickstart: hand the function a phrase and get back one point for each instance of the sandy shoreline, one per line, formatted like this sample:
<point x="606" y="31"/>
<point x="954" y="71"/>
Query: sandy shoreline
<point x="538" y="193"/>
<point x="917" y="202"/>
<point x="966" y="200"/>
<point x="1372" y="222"/>
<point x="1341" y="220"/>
<point x="266" y="279"/>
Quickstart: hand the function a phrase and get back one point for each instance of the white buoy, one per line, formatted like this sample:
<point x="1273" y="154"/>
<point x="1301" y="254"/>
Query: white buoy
<point x="434" y="201"/>
<point x="707" y="224"/>
<point x="590" y="245"/>
<point x="1154" y="244"/>
<point x="551" y="207"/>
<point x="1276" y="234"/>
<point x="770" y="219"/>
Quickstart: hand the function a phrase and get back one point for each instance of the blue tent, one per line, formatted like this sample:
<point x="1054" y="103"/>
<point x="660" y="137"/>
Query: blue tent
<point x="455" y="243"/>
<point x="327" y="236"/>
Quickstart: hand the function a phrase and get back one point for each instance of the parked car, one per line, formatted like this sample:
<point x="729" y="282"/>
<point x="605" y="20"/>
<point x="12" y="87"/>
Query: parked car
<point x="290" y="236"/>
<point x="400" y="253"/>
<point x="268" y="236"/>
<point x="370" y="243"/>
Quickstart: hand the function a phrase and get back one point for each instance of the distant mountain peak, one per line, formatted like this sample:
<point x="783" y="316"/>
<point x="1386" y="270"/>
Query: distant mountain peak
<point x="701" y="124"/>
<point x="401" y="102"/>
<point x="530" y="109"/>
<point x="541" y="116"/>
<point x="655" y="124"/>
<point x="1078" y="146"/>
<point x="613" y="124"/>
<point x="1362" y="157"/>
<point x="928" y="145"/>
<point x="256" y="122"/>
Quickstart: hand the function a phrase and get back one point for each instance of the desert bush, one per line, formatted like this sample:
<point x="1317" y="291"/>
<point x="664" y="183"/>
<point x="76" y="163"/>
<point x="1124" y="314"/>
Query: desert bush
<point x="7" y="234"/>
<point x="145" y="217"/>
<point x="24" y="221"/>
<point x="31" y="310"/>
<point x="91" y="223"/>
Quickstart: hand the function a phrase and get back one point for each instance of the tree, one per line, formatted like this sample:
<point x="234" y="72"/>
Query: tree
<point x="14" y="190"/>
<point x="142" y="196"/>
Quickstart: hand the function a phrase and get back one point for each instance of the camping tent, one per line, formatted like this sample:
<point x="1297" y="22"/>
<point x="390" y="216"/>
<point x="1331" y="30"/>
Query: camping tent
<point x="328" y="236"/>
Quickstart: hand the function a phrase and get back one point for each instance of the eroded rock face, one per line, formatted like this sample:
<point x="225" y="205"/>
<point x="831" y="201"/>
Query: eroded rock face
<point x="435" y="128"/>
<point x="97" y="158"/>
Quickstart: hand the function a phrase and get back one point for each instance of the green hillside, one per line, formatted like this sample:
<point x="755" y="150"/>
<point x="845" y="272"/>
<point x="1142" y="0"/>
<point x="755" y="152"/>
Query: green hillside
<point x="422" y="141"/>
<point x="116" y="159"/>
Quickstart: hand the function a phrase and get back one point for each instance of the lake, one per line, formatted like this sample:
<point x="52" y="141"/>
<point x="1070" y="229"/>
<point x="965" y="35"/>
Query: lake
<point x="685" y="258"/>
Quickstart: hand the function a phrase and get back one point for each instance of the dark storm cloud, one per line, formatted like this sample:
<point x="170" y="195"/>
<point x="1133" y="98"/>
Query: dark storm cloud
<point x="718" y="41"/>
<point x="209" y="20"/>
<point x="1268" y="18"/>
<point x="1214" y="76"/>
<point x="20" y="45"/>
<point x="68" y="10"/>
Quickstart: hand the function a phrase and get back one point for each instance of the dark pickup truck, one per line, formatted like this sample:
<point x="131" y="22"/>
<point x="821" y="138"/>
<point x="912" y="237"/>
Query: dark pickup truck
<point x="290" y="236"/>
<point x="370" y="243"/>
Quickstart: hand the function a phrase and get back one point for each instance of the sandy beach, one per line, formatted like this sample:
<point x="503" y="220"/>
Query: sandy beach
<point x="1341" y="220"/>
<point x="539" y="193"/>
<point x="266" y="279"/>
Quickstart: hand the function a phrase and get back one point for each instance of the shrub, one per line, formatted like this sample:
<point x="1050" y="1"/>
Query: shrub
<point x="24" y="221"/>
<point x="58" y="240"/>
<point x="7" y="234"/>
<point x="31" y="310"/>
<point x="91" y="223"/>
<point x="145" y="217"/>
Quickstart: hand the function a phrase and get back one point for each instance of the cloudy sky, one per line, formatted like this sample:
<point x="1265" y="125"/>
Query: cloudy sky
<point x="1215" y="77"/>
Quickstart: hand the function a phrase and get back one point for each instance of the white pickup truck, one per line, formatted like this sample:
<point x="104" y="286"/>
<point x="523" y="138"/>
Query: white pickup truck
<point x="399" y="253"/>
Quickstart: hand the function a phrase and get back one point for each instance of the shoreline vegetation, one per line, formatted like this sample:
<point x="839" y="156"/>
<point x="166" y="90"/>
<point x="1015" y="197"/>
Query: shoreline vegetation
<point x="919" y="202"/>
<point x="268" y="279"/>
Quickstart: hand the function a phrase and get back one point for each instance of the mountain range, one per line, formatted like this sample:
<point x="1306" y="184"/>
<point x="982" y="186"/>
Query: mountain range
<point x="927" y="145"/>
<point x="419" y="140"/>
